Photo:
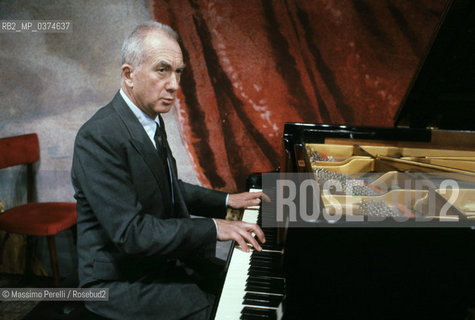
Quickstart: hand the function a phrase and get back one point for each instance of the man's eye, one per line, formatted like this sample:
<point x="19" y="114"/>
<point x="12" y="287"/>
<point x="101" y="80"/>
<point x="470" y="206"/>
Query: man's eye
<point x="161" y="70"/>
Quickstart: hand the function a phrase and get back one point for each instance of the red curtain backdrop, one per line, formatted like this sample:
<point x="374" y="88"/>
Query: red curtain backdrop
<point x="254" y="65"/>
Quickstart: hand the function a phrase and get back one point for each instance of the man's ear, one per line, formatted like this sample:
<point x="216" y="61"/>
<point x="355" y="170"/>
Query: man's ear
<point x="127" y="71"/>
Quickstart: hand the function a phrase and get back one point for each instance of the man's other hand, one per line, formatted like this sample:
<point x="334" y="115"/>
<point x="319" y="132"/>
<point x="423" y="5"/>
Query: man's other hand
<point x="241" y="232"/>
<point x="246" y="199"/>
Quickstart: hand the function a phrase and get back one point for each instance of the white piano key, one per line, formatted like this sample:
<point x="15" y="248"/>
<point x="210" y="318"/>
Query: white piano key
<point x="250" y="215"/>
<point x="255" y="190"/>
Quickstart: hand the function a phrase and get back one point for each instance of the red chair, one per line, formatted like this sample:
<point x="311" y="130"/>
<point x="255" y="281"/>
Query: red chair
<point x="34" y="219"/>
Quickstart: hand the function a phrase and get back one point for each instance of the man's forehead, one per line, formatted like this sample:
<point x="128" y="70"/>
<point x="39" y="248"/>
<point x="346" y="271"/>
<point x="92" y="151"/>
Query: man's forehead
<point x="163" y="47"/>
<point x="165" y="56"/>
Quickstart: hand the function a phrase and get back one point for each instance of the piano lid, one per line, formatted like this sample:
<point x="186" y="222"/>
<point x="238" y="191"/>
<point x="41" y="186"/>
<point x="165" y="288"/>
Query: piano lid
<point x="442" y="92"/>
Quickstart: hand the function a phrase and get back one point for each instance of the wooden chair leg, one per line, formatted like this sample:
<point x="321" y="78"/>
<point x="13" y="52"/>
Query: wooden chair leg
<point x="54" y="260"/>
<point x="2" y="246"/>
<point x="30" y="251"/>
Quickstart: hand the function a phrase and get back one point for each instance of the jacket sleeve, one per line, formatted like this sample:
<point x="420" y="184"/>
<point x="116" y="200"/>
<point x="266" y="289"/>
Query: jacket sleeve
<point x="203" y="201"/>
<point x="101" y="177"/>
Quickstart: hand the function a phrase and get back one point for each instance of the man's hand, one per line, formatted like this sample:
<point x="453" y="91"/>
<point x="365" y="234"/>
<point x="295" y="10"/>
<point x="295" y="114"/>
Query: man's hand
<point x="245" y="199"/>
<point x="241" y="232"/>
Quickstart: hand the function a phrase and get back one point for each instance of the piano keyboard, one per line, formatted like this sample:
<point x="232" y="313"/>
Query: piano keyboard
<point x="254" y="285"/>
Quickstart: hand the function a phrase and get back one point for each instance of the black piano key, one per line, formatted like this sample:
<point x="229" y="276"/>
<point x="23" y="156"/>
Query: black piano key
<point x="258" y="317"/>
<point x="270" y="246"/>
<point x="265" y="254"/>
<point x="262" y="268"/>
<point x="266" y="259"/>
<point x="264" y="264"/>
<point x="265" y="288"/>
<point x="275" y="287"/>
<point x="249" y="313"/>
<point x="261" y="254"/>
<point x="276" y="258"/>
<point x="259" y="265"/>
<point x="270" y="273"/>
<point x="265" y="300"/>
<point x="274" y="282"/>
<point x="264" y="279"/>
<point x="274" y="267"/>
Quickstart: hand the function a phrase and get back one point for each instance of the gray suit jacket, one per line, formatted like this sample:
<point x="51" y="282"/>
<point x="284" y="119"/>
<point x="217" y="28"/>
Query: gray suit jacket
<point x="127" y="223"/>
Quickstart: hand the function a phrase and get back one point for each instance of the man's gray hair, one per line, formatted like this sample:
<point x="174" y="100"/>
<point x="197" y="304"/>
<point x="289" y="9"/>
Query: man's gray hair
<point x="133" y="51"/>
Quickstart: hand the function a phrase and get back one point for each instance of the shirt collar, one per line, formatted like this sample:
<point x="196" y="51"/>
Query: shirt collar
<point x="136" y="110"/>
<point x="149" y="124"/>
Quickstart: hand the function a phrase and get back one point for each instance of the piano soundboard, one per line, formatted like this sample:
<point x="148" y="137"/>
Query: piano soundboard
<point x="370" y="190"/>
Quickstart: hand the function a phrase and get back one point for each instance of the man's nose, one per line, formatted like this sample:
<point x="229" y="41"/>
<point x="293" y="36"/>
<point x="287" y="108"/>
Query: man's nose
<point x="173" y="82"/>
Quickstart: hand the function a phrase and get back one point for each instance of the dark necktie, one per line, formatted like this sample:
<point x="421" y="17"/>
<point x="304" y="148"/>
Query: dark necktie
<point x="164" y="152"/>
<point x="160" y="138"/>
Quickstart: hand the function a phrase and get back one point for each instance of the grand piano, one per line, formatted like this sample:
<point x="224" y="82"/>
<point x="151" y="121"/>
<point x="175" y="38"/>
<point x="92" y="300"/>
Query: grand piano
<point x="421" y="268"/>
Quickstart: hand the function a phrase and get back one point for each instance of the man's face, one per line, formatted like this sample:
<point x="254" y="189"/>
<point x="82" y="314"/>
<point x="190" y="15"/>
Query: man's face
<point x="156" y="81"/>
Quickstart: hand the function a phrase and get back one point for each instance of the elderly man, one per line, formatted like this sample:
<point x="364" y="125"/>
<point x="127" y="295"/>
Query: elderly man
<point x="135" y="234"/>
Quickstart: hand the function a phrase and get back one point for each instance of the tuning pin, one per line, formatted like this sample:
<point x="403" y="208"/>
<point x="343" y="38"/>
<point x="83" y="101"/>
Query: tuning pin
<point x="378" y="208"/>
